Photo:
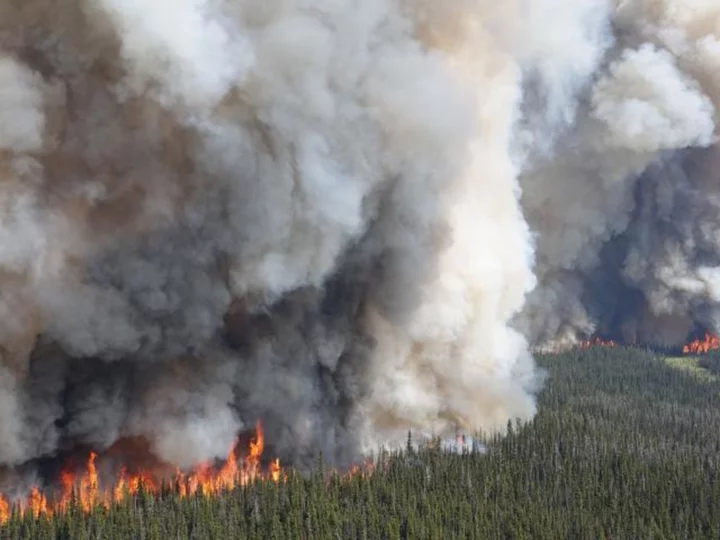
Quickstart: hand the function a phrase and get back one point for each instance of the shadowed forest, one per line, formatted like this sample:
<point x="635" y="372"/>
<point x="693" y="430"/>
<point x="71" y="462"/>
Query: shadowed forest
<point x="625" y="445"/>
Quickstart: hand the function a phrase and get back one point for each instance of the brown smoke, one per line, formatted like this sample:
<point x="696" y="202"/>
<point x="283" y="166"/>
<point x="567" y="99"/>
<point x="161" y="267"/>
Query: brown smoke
<point x="346" y="219"/>
<point x="214" y="212"/>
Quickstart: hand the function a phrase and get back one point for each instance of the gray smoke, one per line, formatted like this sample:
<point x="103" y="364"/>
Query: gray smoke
<point x="348" y="219"/>
<point x="214" y="212"/>
<point x="623" y="199"/>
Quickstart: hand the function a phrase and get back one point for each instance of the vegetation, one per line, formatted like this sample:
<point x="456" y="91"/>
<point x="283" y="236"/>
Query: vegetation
<point x="699" y="366"/>
<point x="711" y="363"/>
<point x="624" y="446"/>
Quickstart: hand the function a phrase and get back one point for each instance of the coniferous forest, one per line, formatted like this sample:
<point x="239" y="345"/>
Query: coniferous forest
<point x="625" y="445"/>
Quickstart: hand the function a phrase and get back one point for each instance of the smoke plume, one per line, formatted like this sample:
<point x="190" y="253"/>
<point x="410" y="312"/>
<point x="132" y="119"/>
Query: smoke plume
<point x="622" y="198"/>
<point x="349" y="219"/>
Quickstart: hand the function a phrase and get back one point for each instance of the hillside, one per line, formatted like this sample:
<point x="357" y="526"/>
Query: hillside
<point x="625" y="445"/>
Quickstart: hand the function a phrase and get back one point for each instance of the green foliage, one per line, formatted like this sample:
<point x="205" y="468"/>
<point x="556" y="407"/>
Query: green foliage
<point x="624" y="446"/>
<point x="705" y="368"/>
<point x="711" y="363"/>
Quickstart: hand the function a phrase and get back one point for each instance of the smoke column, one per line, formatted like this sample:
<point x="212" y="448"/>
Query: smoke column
<point x="623" y="197"/>
<point x="347" y="218"/>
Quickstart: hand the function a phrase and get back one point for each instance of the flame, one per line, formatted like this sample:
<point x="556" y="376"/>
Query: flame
<point x="702" y="346"/>
<point x="709" y="343"/>
<point x="363" y="470"/>
<point x="38" y="503"/>
<point x="596" y="342"/>
<point x="275" y="470"/>
<point x="4" y="509"/>
<point x="84" y="488"/>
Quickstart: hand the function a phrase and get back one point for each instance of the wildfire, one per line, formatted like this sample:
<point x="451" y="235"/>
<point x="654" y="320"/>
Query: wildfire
<point x="596" y="342"/>
<point x="702" y="346"/>
<point x="709" y="343"/>
<point x="84" y="488"/>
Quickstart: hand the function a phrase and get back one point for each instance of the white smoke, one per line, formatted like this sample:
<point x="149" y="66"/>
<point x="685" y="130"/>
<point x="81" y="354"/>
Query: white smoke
<point x="592" y="197"/>
<point x="348" y="219"/>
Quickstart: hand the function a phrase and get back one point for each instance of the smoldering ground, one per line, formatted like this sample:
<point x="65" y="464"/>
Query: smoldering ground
<point x="349" y="219"/>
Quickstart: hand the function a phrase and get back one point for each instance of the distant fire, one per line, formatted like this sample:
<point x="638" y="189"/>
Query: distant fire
<point x="84" y="488"/>
<point x="702" y="346"/>
<point x="709" y="343"/>
<point x="596" y="342"/>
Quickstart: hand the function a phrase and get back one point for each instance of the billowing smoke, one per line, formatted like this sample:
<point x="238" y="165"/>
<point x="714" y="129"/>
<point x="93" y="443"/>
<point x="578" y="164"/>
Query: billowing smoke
<point x="347" y="218"/>
<point x="214" y="212"/>
<point x="623" y="197"/>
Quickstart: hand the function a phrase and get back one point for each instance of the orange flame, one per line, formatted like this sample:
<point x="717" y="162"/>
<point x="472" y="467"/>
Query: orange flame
<point x="275" y="470"/>
<point x="364" y="470"/>
<point x="38" y="503"/>
<point x="204" y="478"/>
<point x="596" y="342"/>
<point x="4" y="509"/>
<point x="702" y="346"/>
<point x="709" y="343"/>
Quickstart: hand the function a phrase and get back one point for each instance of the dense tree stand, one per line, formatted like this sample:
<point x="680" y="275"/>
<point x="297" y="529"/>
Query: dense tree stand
<point x="624" y="446"/>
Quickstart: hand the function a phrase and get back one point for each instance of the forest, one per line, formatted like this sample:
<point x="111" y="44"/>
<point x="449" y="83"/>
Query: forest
<point x="625" y="445"/>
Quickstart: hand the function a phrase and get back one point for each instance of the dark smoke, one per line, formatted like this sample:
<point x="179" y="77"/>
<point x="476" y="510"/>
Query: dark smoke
<point x="348" y="219"/>
<point x="220" y="211"/>
<point x="624" y="201"/>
